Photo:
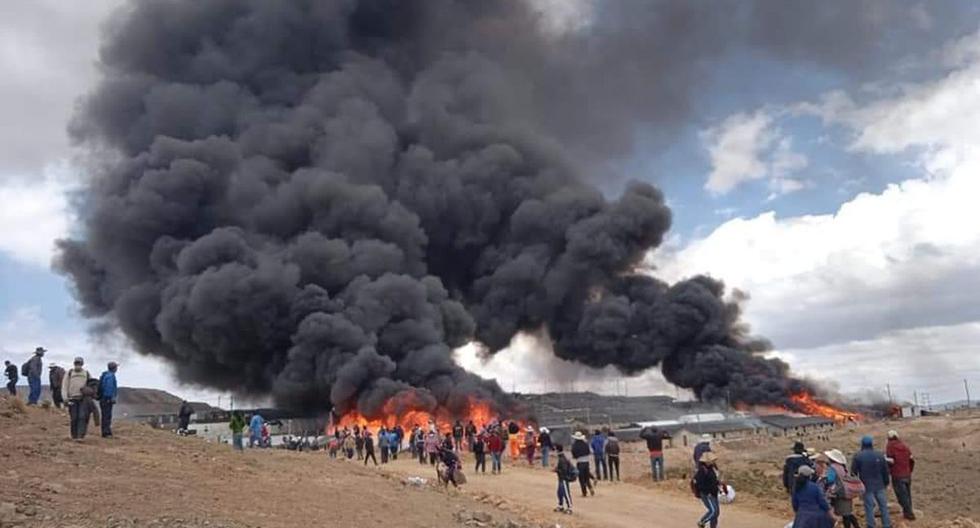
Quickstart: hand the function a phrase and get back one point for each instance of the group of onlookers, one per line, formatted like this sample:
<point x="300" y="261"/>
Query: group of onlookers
<point x="87" y="398"/>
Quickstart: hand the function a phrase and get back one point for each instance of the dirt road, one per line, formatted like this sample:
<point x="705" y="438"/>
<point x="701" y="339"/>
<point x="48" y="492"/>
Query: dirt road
<point x="531" y="492"/>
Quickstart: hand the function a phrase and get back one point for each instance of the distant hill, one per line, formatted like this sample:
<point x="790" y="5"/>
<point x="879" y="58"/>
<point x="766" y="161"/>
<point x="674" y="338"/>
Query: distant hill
<point x="136" y="402"/>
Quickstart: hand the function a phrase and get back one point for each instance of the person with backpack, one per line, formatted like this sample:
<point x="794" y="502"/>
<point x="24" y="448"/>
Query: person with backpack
<point x="495" y="443"/>
<point x="612" y="454"/>
<point x="705" y="486"/>
<point x="32" y="371"/>
<point x="872" y="468"/>
<point x="842" y="488"/>
<point x="792" y="464"/>
<point x="237" y="425"/>
<point x="544" y="440"/>
<point x="108" y="391"/>
<point x="581" y="454"/>
<point x="566" y="473"/>
<point x="809" y="502"/>
<point x="12" y="377"/>
<point x="598" y="445"/>
<point x="901" y="463"/>
<point x="56" y="375"/>
<point x="71" y="391"/>
<point x="479" y="447"/>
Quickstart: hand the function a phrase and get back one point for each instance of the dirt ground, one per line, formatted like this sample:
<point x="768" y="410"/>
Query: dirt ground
<point x="146" y="477"/>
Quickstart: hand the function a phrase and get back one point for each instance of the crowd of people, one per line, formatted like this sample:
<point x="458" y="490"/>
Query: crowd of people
<point x="87" y="398"/>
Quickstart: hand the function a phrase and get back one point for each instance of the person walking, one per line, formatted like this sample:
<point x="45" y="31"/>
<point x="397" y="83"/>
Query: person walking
<point x="237" y="425"/>
<point x="580" y="452"/>
<point x="255" y="430"/>
<point x="706" y="484"/>
<point x="12" y="377"/>
<point x="56" y="375"/>
<point x="655" y="447"/>
<point x="495" y="443"/>
<point x="598" y="445"/>
<point x="479" y="447"/>
<point x="612" y="454"/>
<point x="809" y="502"/>
<point x="840" y="498"/>
<point x="32" y="369"/>
<point x="108" y="392"/>
<point x="530" y="444"/>
<point x="71" y="391"/>
<point x="901" y="464"/>
<point x="793" y="463"/>
<point x="872" y="468"/>
<point x="184" y="419"/>
<point x="544" y="440"/>
<point x="369" y="448"/>
<point x="566" y="473"/>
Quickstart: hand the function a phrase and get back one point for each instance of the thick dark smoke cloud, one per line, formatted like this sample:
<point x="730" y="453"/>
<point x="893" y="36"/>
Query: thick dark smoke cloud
<point x="320" y="200"/>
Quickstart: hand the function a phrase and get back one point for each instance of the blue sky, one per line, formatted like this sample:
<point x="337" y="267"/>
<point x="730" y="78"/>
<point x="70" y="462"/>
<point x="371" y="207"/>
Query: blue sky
<point x="835" y="198"/>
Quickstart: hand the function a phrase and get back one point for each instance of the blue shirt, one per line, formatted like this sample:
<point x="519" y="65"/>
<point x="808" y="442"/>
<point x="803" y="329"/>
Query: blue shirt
<point x="810" y="498"/>
<point x="598" y="445"/>
<point x="872" y="468"/>
<point x="107" y="386"/>
<point x="256" y="424"/>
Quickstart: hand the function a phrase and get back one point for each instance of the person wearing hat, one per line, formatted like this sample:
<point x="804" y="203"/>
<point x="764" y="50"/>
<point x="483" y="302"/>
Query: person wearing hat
<point x="581" y="452"/>
<point x="530" y="443"/>
<point x="33" y="369"/>
<point x="900" y="459"/>
<point x="701" y="448"/>
<point x="56" y="375"/>
<point x="872" y="468"/>
<point x="76" y="379"/>
<point x="707" y="484"/>
<point x="842" y="504"/>
<point x="793" y="462"/>
<point x="108" y="391"/>
<point x="809" y="502"/>
<point x="544" y="440"/>
<point x="12" y="377"/>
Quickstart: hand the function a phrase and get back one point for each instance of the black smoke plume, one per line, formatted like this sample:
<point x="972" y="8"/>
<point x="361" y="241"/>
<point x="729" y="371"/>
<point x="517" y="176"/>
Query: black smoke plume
<point x="319" y="200"/>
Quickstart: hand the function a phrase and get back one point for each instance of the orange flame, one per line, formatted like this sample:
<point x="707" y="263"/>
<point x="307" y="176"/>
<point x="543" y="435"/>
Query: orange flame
<point x="408" y="414"/>
<point x="804" y="402"/>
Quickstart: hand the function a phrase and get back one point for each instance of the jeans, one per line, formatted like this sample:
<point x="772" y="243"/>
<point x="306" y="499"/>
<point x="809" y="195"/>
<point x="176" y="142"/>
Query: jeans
<point x="870" y="498"/>
<point x="613" y="466"/>
<point x="711" y="516"/>
<point x="564" y="494"/>
<point x="544" y="456"/>
<point x="236" y="441"/>
<point x="657" y="467"/>
<point x="106" y="407"/>
<point x="903" y="492"/>
<point x="12" y="387"/>
<point x="495" y="465"/>
<point x="35" y="393"/>
<point x="601" y="471"/>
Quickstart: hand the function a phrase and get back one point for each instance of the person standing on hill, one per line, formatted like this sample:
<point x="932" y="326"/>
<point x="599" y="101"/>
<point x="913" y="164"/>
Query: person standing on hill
<point x="566" y="474"/>
<point x="792" y="464"/>
<point x="184" y="419"/>
<point x="237" y="425"/>
<point x="872" y="468"/>
<point x="701" y="448"/>
<point x="514" y="440"/>
<point x="75" y="380"/>
<point x="32" y="369"/>
<point x="108" y="392"/>
<point x="655" y="447"/>
<point x="56" y="375"/>
<point x="432" y="446"/>
<point x="706" y="484"/>
<point x="840" y="499"/>
<point x="255" y="430"/>
<point x="495" y="443"/>
<point x="580" y="452"/>
<point x="458" y="431"/>
<point x="598" y="445"/>
<point x="901" y="463"/>
<point x="479" y="447"/>
<point x="383" y="444"/>
<point x="612" y="453"/>
<point x="530" y="443"/>
<point x="12" y="377"/>
<point x="369" y="448"/>
<point x="809" y="502"/>
<point x="470" y="432"/>
<point x="544" y="440"/>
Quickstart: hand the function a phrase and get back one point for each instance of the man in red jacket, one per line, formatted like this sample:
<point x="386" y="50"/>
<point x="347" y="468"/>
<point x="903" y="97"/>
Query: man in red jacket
<point x="901" y="464"/>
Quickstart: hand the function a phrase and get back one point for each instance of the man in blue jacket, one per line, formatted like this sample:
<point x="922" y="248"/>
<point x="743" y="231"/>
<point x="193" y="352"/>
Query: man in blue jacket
<point x="108" y="391"/>
<point x="872" y="468"/>
<point x="598" y="445"/>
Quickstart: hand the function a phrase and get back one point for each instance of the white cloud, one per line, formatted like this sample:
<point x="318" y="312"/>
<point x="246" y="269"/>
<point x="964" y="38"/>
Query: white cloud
<point x="747" y="147"/>
<point x="33" y="216"/>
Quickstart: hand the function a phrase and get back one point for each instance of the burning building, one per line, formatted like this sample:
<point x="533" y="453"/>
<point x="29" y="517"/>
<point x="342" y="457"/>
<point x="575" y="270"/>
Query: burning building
<point x="319" y="201"/>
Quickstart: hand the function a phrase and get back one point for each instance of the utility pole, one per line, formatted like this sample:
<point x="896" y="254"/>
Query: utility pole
<point x="966" y="385"/>
<point x="889" y="387"/>
<point x="915" y="398"/>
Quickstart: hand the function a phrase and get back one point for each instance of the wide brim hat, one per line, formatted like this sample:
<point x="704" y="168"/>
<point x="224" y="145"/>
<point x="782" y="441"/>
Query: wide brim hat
<point x="835" y="455"/>
<point x="40" y="351"/>
<point x="545" y="430"/>
<point x="708" y="457"/>
<point x="578" y="436"/>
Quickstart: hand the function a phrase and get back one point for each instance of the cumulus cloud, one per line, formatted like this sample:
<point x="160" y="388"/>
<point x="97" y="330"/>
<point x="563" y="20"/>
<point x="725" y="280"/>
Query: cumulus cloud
<point x="747" y="147"/>
<point x="33" y="216"/>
